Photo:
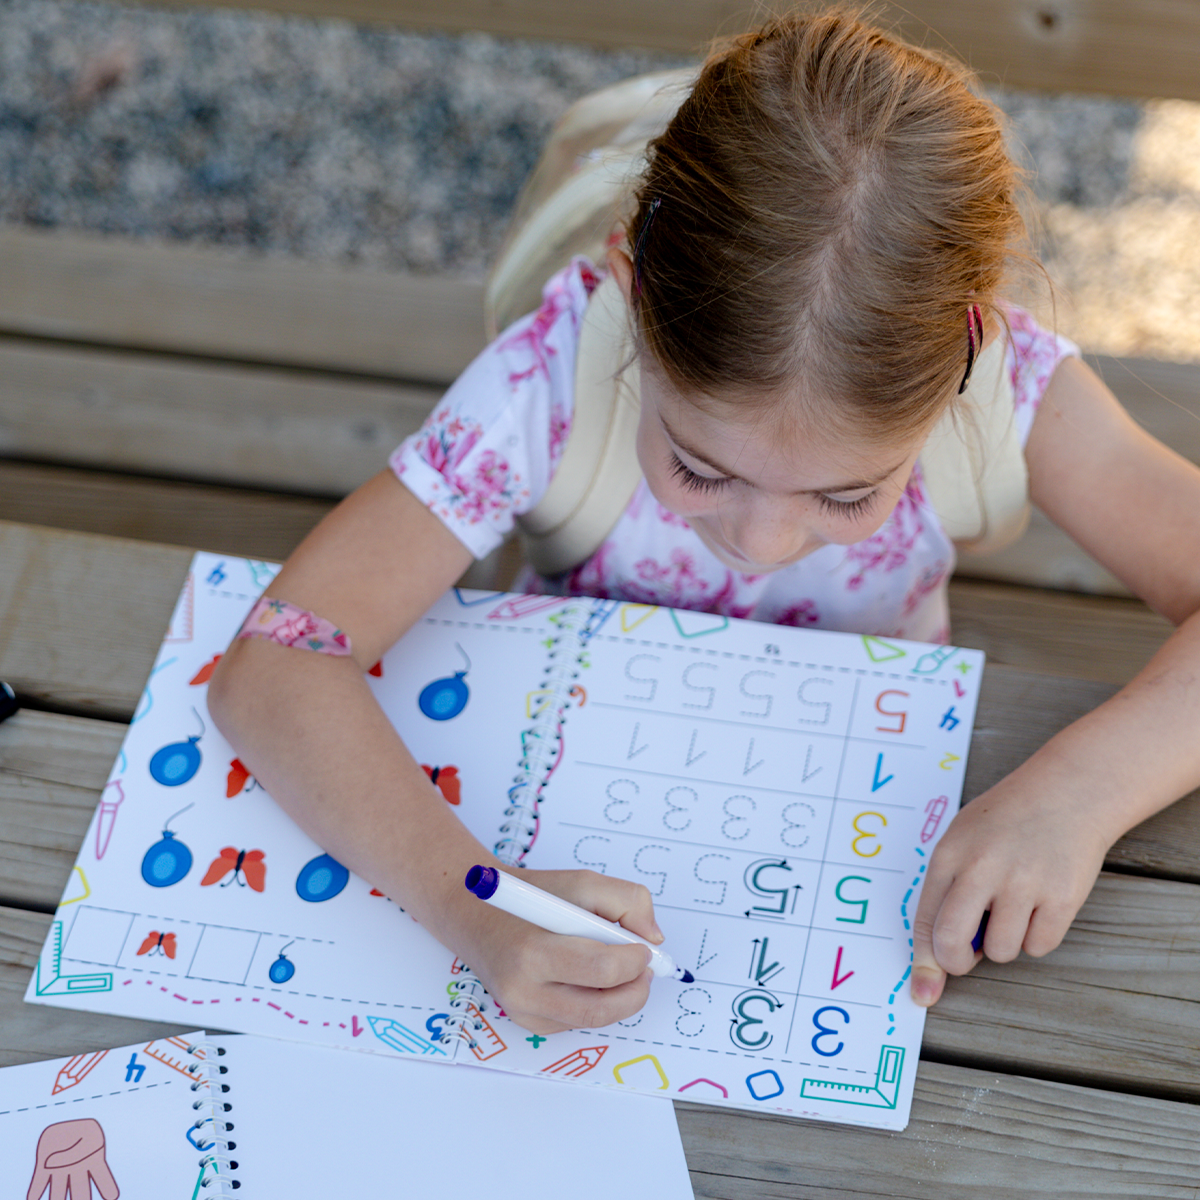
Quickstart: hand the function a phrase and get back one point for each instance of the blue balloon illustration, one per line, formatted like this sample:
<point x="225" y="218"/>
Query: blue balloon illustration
<point x="447" y="697"/>
<point x="282" y="969"/>
<point x="321" y="879"/>
<point x="168" y="860"/>
<point x="176" y="763"/>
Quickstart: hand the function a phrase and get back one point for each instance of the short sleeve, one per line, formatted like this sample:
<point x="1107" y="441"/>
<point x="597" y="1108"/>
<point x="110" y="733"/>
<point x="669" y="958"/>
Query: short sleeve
<point x="1035" y="353"/>
<point x="489" y="449"/>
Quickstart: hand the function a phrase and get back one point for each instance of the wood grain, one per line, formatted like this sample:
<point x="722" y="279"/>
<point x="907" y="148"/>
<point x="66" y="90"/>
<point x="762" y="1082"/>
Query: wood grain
<point x="158" y="415"/>
<point x="1125" y="47"/>
<point x="234" y="521"/>
<point x="972" y="1132"/>
<point x="166" y="296"/>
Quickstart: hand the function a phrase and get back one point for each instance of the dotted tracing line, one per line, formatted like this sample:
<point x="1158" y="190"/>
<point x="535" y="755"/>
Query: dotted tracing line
<point x="912" y="887"/>
<point x="124" y="912"/>
<point x="787" y="1062"/>
<point x="141" y="1087"/>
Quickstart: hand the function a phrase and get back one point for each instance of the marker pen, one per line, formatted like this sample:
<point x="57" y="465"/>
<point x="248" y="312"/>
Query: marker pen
<point x="560" y="916"/>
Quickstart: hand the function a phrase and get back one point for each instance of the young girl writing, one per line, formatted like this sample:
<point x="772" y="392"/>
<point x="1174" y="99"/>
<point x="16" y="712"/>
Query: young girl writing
<point x="812" y="271"/>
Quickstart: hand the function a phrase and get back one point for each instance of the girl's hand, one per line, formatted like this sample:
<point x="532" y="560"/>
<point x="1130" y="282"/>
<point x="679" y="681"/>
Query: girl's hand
<point x="1028" y="851"/>
<point x="547" y="982"/>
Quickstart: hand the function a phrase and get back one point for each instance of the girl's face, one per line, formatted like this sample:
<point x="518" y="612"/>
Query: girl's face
<point x="761" y="494"/>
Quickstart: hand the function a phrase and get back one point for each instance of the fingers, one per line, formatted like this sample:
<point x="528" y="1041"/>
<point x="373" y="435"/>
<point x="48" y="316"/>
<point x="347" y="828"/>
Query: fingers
<point x="949" y="916"/>
<point x="619" y="900"/>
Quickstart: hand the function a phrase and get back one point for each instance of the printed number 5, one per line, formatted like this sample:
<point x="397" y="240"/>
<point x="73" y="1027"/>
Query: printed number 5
<point x="866" y="834"/>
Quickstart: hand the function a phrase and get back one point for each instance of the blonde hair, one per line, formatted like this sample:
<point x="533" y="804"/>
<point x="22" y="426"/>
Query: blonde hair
<point x="824" y="207"/>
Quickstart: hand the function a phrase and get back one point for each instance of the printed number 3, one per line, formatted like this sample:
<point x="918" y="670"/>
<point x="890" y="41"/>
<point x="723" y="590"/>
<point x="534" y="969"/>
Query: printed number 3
<point x="866" y="835"/>
<point x="824" y="1031"/>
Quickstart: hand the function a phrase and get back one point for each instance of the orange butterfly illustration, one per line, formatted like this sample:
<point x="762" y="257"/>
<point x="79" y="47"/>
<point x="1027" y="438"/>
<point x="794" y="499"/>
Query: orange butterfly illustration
<point x="446" y="780"/>
<point x="163" y="943"/>
<point x="235" y="781"/>
<point x="236" y="863"/>
<point x="205" y="673"/>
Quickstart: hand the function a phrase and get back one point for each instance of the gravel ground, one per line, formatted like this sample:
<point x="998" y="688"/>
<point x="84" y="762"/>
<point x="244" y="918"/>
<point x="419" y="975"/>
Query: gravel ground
<point x="326" y="140"/>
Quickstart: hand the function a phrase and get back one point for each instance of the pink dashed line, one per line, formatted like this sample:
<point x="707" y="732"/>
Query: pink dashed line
<point x="272" y="1004"/>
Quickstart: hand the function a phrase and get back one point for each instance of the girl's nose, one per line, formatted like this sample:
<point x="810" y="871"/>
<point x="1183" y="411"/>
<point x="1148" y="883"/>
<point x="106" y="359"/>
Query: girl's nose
<point x="769" y="538"/>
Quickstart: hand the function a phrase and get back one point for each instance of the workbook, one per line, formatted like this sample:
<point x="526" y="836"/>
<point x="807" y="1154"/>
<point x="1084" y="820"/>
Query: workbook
<point x="234" y="1116"/>
<point x="778" y="790"/>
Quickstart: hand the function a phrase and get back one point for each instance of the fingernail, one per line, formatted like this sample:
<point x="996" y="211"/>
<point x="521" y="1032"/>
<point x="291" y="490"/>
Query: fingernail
<point x="657" y="934"/>
<point x="925" y="987"/>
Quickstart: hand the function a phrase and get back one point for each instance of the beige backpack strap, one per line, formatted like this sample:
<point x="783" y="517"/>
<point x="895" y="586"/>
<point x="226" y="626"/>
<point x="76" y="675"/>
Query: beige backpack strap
<point x="599" y="470"/>
<point x="575" y="196"/>
<point x="974" y="467"/>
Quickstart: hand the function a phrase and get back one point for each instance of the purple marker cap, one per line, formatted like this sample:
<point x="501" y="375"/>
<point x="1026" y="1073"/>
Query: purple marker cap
<point x="977" y="940"/>
<point x="483" y="881"/>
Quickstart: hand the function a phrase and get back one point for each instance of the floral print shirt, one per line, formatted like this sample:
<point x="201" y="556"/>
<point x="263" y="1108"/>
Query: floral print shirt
<point x="490" y="448"/>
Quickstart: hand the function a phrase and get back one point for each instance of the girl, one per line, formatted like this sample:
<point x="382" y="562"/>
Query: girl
<point x="813" y="268"/>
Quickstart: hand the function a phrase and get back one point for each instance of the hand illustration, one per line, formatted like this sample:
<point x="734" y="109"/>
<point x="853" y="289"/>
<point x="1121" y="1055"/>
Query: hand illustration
<point x="70" y="1157"/>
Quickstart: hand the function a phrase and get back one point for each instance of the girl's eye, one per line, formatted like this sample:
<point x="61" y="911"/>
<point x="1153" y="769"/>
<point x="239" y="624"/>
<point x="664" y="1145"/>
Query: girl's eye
<point x="847" y="508"/>
<point x="693" y="482"/>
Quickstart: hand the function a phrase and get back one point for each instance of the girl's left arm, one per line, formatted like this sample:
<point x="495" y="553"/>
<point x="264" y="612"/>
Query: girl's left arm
<point x="1029" y="849"/>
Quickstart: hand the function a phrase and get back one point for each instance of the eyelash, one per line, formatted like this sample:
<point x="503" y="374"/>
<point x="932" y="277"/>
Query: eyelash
<point x="693" y="482"/>
<point x="848" y="509"/>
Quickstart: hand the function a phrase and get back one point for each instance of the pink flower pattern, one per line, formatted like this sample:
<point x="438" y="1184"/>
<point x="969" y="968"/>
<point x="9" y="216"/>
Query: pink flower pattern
<point x="487" y="453"/>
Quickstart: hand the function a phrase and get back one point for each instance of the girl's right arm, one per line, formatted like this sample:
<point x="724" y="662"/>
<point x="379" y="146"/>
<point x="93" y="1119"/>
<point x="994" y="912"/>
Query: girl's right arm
<point x="312" y="733"/>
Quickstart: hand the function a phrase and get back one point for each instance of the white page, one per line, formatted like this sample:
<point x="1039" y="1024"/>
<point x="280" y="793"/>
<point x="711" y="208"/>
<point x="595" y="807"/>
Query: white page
<point x="315" y="1122"/>
<point x="120" y="1116"/>
<point x="728" y="765"/>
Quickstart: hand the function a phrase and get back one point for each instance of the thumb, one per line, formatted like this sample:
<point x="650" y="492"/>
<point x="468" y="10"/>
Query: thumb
<point x="928" y="978"/>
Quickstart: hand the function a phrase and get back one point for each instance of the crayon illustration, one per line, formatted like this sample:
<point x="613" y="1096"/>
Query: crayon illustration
<point x="70" y="1159"/>
<point x="176" y="763"/>
<point x="446" y="780"/>
<point x="321" y="878"/>
<point x="168" y="860"/>
<point x="445" y="698"/>
<point x="243" y="866"/>
<point x="106" y="817"/>
<point x="75" y="1069"/>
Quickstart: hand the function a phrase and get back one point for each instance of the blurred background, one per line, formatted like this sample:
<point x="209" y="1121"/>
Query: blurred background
<point x="324" y="140"/>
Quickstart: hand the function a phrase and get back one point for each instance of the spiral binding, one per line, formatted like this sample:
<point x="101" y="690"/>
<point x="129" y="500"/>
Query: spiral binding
<point x="541" y="752"/>
<point x="209" y="1133"/>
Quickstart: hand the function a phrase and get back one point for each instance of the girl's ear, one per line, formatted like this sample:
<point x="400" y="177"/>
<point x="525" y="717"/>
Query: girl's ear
<point x="621" y="266"/>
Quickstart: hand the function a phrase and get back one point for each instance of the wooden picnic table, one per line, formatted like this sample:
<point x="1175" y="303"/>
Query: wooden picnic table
<point x="1076" y="1075"/>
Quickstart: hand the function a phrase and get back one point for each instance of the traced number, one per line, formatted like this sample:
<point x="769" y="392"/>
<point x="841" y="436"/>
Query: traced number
<point x="602" y="867"/>
<point x="823" y="705"/>
<point x="671" y="821"/>
<point x="722" y="883"/>
<point x="742" y="1029"/>
<point x="900" y="714"/>
<point x="824" y="1031"/>
<point x="753" y="880"/>
<point x="790" y="823"/>
<point x="694" y="1027"/>
<point x="765" y="696"/>
<point x="653" y="682"/>
<point x="734" y="819"/>
<point x="699" y="687"/>
<point x="662" y="875"/>
<point x="616" y="803"/>
<point x="865" y="835"/>
<point x="861" y="905"/>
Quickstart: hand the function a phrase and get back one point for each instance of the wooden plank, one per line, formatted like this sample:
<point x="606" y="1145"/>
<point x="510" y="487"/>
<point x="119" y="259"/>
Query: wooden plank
<point x="82" y="616"/>
<point x="1115" y="46"/>
<point x="158" y="415"/>
<point x="972" y="1132"/>
<point x="233" y="521"/>
<point x="166" y="296"/>
<point x="30" y="1032"/>
<point x="1085" y="637"/>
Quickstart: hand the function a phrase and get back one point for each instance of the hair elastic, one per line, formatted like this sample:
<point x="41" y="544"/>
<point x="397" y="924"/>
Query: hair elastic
<point x="639" y="247"/>
<point x="288" y="625"/>
<point x="974" y="343"/>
